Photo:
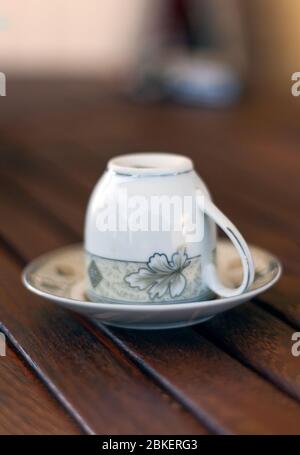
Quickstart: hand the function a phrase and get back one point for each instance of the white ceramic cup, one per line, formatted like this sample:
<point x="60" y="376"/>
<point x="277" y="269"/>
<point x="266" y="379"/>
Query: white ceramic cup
<point x="140" y="250"/>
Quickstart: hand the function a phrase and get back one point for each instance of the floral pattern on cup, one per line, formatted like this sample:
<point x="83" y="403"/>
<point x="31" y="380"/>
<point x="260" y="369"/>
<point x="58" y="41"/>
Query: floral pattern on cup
<point x="177" y="277"/>
<point x="161" y="276"/>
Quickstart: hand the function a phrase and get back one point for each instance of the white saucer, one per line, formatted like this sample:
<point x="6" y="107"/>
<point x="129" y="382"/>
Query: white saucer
<point x="59" y="276"/>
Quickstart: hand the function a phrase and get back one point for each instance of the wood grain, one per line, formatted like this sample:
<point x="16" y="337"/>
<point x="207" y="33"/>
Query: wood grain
<point x="261" y="341"/>
<point x="25" y="405"/>
<point x="214" y="382"/>
<point x="91" y="378"/>
<point x="283" y="300"/>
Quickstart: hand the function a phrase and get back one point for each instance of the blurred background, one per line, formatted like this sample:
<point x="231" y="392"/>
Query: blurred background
<point x="109" y="38"/>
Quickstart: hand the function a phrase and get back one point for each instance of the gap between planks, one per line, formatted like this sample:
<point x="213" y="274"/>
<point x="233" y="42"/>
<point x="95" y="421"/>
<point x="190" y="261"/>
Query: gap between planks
<point x="55" y="392"/>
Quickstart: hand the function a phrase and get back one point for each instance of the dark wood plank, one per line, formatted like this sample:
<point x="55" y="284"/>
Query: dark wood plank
<point x="170" y="362"/>
<point x="36" y="96"/>
<point x="283" y="300"/>
<point x="261" y="341"/>
<point x="104" y="391"/>
<point x="25" y="405"/>
<point x="214" y="381"/>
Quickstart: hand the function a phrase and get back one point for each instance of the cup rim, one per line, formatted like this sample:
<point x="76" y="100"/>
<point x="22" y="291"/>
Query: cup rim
<point x="150" y="164"/>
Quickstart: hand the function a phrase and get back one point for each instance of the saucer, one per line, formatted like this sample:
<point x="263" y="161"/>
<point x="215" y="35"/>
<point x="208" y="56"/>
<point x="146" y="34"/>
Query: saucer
<point x="59" y="276"/>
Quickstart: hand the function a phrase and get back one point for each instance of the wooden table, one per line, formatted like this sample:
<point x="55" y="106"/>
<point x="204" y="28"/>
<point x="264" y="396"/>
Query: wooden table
<point x="233" y="374"/>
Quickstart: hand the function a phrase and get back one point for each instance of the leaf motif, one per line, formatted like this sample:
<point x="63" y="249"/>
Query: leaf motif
<point x="161" y="276"/>
<point x="141" y="279"/>
<point x="159" y="287"/>
<point x="159" y="263"/>
<point x="177" y="284"/>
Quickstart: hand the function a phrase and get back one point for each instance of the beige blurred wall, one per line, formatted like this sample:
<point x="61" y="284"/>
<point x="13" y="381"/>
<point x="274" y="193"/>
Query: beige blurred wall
<point x="71" y="36"/>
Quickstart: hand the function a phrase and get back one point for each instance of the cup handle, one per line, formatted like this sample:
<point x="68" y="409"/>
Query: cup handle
<point x="210" y="270"/>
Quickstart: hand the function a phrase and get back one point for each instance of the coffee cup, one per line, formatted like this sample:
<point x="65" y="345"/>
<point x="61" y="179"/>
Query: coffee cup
<point x="150" y="234"/>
